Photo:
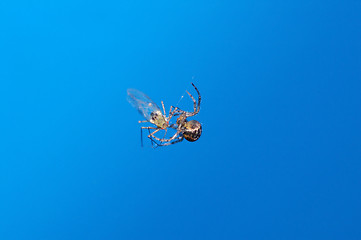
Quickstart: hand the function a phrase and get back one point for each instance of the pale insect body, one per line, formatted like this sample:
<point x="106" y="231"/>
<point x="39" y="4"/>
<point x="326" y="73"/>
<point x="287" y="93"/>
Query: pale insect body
<point x="147" y="108"/>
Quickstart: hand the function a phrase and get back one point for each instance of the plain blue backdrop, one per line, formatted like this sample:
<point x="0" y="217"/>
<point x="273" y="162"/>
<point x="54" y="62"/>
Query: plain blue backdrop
<point x="280" y="154"/>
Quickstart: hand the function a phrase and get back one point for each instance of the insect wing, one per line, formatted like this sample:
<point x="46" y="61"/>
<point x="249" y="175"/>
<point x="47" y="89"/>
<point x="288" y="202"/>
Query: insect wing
<point x="142" y="103"/>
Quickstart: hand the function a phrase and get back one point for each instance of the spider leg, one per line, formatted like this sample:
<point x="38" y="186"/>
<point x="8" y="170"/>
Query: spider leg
<point x="171" y="113"/>
<point x="179" y="139"/>
<point x="199" y="98"/>
<point x="169" y="139"/>
<point x="149" y="134"/>
<point x="141" y="133"/>
<point x="163" y="107"/>
<point x="152" y="134"/>
<point x="165" y="133"/>
<point x="154" y="142"/>
<point x="177" y="111"/>
<point x="196" y="105"/>
<point x="194" y="102"/>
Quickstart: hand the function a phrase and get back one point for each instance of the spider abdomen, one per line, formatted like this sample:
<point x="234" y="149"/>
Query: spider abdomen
<point x="192" y="131"/>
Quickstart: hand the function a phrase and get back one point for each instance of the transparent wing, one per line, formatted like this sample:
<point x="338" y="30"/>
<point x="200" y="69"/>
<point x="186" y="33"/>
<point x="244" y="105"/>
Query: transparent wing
<point x="145" y="106"/>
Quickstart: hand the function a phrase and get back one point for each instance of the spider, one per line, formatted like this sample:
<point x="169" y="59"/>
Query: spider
<point x="190" y="130"/>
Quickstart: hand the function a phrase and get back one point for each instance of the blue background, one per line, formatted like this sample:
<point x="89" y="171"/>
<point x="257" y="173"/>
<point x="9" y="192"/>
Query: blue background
<point x="280" y="153"/>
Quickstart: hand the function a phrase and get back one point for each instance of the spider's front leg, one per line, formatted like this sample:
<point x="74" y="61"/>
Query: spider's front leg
<point x="177" y="111"/>
<point x="194" y="102"/>
<point x="199" y="98"/>
<point x="196" y="106"/>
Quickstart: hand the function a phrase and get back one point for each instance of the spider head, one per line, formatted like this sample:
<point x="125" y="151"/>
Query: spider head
<point x="192" y="131"/>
